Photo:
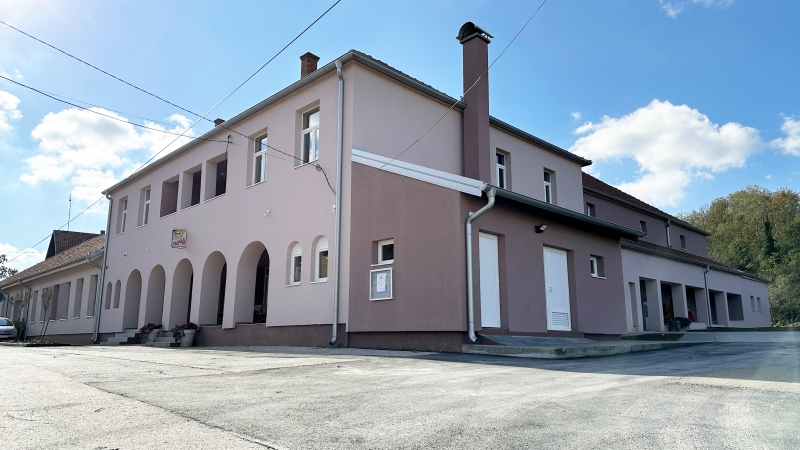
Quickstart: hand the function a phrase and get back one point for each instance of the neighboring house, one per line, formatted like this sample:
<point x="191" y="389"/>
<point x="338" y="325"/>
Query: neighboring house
<point x="668" y="270"/>
<point x="237" y="230"/>
<point x="68" y="277"/>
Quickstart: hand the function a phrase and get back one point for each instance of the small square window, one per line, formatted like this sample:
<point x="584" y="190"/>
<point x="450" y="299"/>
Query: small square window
<point x="501" y="170"/>
<point x="593" y="264"/>
<point x="259" y="160"/>
<point x="310" y="136"/>
<point x="386" y="251"/>
<point x="643" y="226"/>
<point x="752" y="303"/>
<point x="590" y="210"/>
<point x="296" y="267"/>
<point x="683" y="242"/>
<point x="758" y="301"/>
<point x="548" y="187"/>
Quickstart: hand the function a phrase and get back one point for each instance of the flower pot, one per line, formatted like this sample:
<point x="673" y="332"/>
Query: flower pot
<point x="155" y="334"/>
<point x="188" y="338"/>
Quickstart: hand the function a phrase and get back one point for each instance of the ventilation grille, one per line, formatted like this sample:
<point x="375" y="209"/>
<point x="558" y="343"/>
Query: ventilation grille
<point x="559" y="319"/>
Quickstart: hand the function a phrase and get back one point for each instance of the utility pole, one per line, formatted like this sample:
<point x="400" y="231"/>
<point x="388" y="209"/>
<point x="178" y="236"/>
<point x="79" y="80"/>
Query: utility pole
<point x="69" y="214"/>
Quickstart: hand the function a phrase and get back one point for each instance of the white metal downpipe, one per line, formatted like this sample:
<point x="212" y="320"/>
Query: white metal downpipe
<point x="337" y="252"/>
<point x="708" y="296"/>
<point x="669" y="239"/>
<point x="101" y="279"/>
<point x="470" y="293"/>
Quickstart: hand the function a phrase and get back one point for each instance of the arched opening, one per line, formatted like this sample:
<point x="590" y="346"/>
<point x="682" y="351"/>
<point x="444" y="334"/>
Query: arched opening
<point x="133" y="296"/>
<point x="181" y="296"/>
<point x="117" y="289"/>
<point x="154" y="305"/>
<point x="319" y="260"/>
<point x="252" y="285"/>
<point x="212" y="290"/>
<point x="109" y="291"/>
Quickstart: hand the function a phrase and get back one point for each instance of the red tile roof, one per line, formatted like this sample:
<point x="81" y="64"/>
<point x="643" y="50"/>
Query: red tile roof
<point x="71" y="255"/>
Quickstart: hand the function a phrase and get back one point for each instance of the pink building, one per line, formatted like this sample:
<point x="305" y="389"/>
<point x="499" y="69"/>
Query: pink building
<point x="478" y="229"/>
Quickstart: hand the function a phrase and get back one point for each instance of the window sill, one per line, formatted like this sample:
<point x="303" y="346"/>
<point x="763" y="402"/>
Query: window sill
<point x="323" y="280"/>
<point x="380" y="299"/>
<point x="212" y="198"/>
<point x="255" y="184"/>
<point x="61" y="319"/>
<point x="76" y="317"/>
<point x="292" y="284"/>
<point x="307" y="163"/>
<point x="190" y="207"/>
<point x="598" y="277"/>
<point x="142" y="225"/>
<point x="119" y="234"/>
<point x="170" y="214"/>
<point x="383" y="263"/>
<point x="88" y="317"/>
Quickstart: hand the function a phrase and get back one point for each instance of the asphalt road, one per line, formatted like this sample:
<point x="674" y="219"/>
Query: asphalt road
<point x="720" y="395"/>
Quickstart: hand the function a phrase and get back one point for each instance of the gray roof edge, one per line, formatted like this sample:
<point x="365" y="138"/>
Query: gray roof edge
<point x="625" y="231"/>
<point x="695" y="262"/>
<point x="644" y="210"/>
<point x="538" y="141"/>
<point x="52" y="269"/>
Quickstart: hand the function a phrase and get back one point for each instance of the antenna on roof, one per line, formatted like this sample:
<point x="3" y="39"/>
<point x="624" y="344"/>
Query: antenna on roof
<point x="69" y="214"/>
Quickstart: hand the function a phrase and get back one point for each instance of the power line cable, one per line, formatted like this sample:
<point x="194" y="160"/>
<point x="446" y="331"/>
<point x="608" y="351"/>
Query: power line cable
<point x="469" y="89"/>
<point x="193" y="124"/>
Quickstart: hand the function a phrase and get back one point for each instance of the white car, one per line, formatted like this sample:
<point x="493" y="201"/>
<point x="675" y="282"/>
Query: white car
<point x="7" y="330"/>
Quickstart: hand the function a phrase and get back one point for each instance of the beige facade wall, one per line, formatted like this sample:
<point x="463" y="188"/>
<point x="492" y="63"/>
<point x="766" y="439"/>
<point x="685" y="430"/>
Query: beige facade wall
<point x="72" y="308"/>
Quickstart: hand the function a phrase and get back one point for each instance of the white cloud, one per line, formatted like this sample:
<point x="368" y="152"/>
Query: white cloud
<point x="23" y="260"/>
<point x="675" y="7"/>
<point x="791" y="143"/>
<point x="93" y="152"/>
<point x="8" y="110"/>
<point x="575" y="115"/>
<point x="672" y="145"/>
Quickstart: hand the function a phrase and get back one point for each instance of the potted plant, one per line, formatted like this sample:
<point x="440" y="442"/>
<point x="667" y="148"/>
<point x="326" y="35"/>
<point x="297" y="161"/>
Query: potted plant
<point x="682" y="323"/>
<point x="184" y="334"/>
<point x="150" y="332"/>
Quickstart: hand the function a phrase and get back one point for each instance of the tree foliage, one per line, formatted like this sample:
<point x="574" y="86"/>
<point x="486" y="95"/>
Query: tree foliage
<point x="5" y="271"/>
<point x="758" y="231"/>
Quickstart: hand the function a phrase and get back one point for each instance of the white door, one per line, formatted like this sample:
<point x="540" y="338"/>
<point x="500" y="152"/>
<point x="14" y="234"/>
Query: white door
<point x="490" y="281"/>
<point x="556" y="279"/>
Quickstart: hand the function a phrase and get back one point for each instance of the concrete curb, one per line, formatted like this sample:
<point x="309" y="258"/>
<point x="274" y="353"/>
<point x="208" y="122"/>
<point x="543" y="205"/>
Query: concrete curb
<point x="576" y="351"/>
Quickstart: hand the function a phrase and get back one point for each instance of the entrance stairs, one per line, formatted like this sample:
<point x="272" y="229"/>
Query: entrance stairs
<point x="163" y="340"/>
<point x="129" y="336"/>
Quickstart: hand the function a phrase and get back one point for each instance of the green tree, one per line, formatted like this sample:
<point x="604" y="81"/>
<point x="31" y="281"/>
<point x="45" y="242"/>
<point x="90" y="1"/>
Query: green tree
<point x="5" y="271"/>
<point x="758" y="231"/>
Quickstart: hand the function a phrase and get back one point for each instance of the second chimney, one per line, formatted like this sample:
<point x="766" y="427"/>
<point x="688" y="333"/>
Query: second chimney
<point x="477" y="155"/>
<point x="308" y="64"/>
<point x="218" y="122"/>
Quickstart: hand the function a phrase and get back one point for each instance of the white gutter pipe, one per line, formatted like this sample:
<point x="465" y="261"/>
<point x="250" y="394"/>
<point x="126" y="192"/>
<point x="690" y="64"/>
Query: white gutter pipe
<point x="708" y="296"/>
<point x="669" y="239"/>
<point x="338" y="225"/>
<point x="101" y="279"/>
<point x="470" y="293"/>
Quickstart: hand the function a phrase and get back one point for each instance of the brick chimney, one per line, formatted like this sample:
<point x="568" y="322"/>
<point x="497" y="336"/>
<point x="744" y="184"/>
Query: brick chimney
<point x="477" y="155"/>
<point x="218" y="122"/>
<point x="308" y="64"/>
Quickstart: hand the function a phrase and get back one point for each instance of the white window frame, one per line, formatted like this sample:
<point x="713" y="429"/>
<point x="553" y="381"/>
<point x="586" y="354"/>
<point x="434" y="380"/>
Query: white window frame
<point x="313" y="151"/>
<point x="124" y="215"/>
<point x="500" y="170"/>
<point x="548" y="187"/>
<point x="389" y="271"/>
<point x="381" y="244"/>
<point x="262" y="153"/>
<point x="146" y="211"/>
<point x="322" y="246"/>
<point x="594" y="267"/>
<point x="297" y="252"/>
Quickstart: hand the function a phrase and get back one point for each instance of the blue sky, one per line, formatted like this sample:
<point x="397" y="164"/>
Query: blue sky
<point x="677" y="102"/>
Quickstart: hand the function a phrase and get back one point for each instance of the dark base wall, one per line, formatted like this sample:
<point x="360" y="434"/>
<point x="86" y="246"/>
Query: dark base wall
<point x="74" y="339"/>
<point x="259" y="334"/>
<point x="320" y="336"/>
<point x="426" y="341"/>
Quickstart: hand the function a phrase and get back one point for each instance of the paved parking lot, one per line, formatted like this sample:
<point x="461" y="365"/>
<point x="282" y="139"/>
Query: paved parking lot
<point x="719" y="395"/>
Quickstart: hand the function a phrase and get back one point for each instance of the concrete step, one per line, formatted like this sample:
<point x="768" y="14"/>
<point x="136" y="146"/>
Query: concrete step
<point x="165" y="339"/>
<point x="162" y="344"/>
<point x="576" y="350"/>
